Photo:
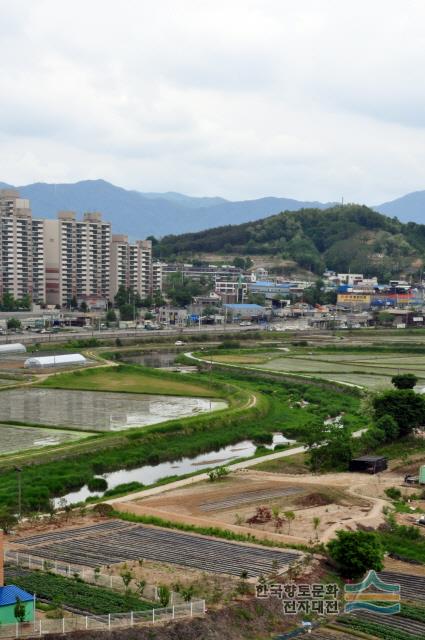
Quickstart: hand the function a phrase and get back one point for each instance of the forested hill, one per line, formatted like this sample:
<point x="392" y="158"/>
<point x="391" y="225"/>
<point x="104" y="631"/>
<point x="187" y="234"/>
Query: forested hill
<point x="341" y="238"/>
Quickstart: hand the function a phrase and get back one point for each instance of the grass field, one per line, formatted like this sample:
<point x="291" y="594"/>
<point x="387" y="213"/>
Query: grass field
<point x="129" y="379"/>
<point x="293" y="464"/>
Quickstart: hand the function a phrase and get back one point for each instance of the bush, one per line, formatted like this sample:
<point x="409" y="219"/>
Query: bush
<point x="104" y="510"/>
<point x="404" y="380"/>
<point x="393" y="493"/>
<point x="97" y="484"/>
<point x="389" y="426"/>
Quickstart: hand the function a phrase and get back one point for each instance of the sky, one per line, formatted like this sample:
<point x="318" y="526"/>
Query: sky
<point x="310" y="99"/>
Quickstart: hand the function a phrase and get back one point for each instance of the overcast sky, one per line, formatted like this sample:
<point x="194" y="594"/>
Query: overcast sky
<point x="311" y="99"/>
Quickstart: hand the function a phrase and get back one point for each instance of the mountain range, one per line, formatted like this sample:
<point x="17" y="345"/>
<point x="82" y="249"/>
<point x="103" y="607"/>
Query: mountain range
<point x="141" y="214"/>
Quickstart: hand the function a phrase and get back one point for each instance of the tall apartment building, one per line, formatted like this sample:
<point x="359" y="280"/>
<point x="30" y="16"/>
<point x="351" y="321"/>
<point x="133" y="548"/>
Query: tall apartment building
<point x="77" y="258"/>
<point x="133" y="267"/>
<point x="21" y="249"/>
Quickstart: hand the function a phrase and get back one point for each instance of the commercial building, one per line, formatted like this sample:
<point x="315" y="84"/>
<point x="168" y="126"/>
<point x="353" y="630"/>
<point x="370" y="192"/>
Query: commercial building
<point x="77" y="258"/>
<point x="21" y="249"/>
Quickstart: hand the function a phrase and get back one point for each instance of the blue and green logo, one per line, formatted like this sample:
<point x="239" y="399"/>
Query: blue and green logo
<point x="372" y="594"/>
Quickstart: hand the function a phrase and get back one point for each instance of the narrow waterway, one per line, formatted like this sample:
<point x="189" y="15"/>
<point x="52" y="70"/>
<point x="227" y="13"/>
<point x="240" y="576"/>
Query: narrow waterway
<point x="149" y="474"/>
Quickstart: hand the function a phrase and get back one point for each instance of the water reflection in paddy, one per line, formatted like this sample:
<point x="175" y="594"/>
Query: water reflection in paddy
<point x="97" y="410"/>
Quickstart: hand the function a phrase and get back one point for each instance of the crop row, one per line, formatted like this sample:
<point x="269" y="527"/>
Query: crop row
<point x="74" y="593"/>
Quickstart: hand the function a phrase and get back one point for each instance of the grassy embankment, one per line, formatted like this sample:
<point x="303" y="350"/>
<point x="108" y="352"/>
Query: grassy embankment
<point x="132" y="379"/>
<point x="275" y="409"/>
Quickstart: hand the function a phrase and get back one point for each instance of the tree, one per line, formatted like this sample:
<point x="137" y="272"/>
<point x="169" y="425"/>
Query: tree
<point x="111" y="316"/>
<point x="8" y="302"/>
<point x="239" y="262"/>
<point x="127" y="312"/>
<point x="330" y="448"/>
<point x="141" y="584"/>
<point x="289" y="517"/>
<point x="13" y="323"/>
<point x="187" y="593"/>
<point x="389" y="426"/>
<point x="316" y="525"/>
<point x="24" y="302"/>
<point x="84" y="307"/>
<point x="164" y="595"/>
<point x="7" y="520"/>
<point x="356" y="552"/>
<point x="405" y="406"/>
<point x="404" y="380"/>
<point x="126" y="576"/>
<point x="19" y="610"/>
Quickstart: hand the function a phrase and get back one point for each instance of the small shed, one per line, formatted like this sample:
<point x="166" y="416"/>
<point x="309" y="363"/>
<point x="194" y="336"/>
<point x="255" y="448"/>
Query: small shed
<point x="13" y="347"/>
<point x="67" y="360"/>
<point x="369" y="464"/>
<point x="422" y="474"/>
<point x="9" y="596"/>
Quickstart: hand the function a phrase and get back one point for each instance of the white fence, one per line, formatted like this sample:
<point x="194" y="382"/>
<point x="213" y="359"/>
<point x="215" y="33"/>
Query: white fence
<point x="88" y="574"/>
<point x="102" y="622"/>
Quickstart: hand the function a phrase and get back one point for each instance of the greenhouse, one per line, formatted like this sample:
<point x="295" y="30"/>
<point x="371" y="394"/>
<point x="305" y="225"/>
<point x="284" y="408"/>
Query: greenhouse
<point x="66" y="360"/>
<point x="14" y="347"/>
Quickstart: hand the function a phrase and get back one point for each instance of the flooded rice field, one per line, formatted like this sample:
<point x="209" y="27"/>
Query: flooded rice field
<point x="97" y="410"/>
<point x="13" y="439"/>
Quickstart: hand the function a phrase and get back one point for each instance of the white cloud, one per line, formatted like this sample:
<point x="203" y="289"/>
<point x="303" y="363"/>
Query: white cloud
<point x="299" y="98"/>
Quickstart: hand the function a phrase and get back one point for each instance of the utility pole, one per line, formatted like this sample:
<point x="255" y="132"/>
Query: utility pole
<point x="18" y="472"/>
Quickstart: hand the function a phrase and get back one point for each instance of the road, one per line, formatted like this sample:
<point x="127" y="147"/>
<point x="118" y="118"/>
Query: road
<point x="30" y="337"/>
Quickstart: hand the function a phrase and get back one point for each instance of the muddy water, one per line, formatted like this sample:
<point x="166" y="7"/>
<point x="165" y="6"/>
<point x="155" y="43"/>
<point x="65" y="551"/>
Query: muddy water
<point x="149" y="474"/>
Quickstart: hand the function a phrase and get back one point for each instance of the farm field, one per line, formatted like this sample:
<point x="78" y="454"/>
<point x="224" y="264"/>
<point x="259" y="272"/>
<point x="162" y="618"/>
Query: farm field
<point x="234" y="500"/>
<point x="97" y="411"/>
<point x="125" y="542"/>
<point x="130" y="379"/>
<point x="369" y="370"/>
<point x="13" y="438"/>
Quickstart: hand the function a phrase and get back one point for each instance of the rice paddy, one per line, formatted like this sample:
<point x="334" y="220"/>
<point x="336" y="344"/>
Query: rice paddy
<point x="368" y="370"/>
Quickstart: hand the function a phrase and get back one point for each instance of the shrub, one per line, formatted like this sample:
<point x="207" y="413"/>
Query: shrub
<point x="103" y="509"/>
<point x="393" y="493"/>
<point x="97" y="484"/>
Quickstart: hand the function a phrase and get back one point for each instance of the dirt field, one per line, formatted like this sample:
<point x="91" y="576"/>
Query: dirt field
<point x="338" y="500"/>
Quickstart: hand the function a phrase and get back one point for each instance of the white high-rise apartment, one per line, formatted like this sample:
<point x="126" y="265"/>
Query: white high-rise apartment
<point x="132" y="266"/>
<point x="21" y="249"/>
<point x="77" y="258"/>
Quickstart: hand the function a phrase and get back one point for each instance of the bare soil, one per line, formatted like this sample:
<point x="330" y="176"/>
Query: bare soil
<point x="314" y="498"/>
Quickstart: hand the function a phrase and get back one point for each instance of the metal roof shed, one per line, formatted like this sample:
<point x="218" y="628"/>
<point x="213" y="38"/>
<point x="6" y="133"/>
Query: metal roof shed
<point x="8" y="598"/>
<point x="13" y="347"/>
<point x="69" y="359"/>
<point x="369" y="464"/>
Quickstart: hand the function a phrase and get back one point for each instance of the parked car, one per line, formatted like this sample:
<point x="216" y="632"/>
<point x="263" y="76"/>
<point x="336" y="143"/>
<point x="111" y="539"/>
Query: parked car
<point x="179" y="343"/>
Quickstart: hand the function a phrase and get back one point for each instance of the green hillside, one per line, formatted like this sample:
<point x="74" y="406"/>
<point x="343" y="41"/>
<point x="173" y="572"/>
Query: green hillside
<point x="341" y="238"/>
